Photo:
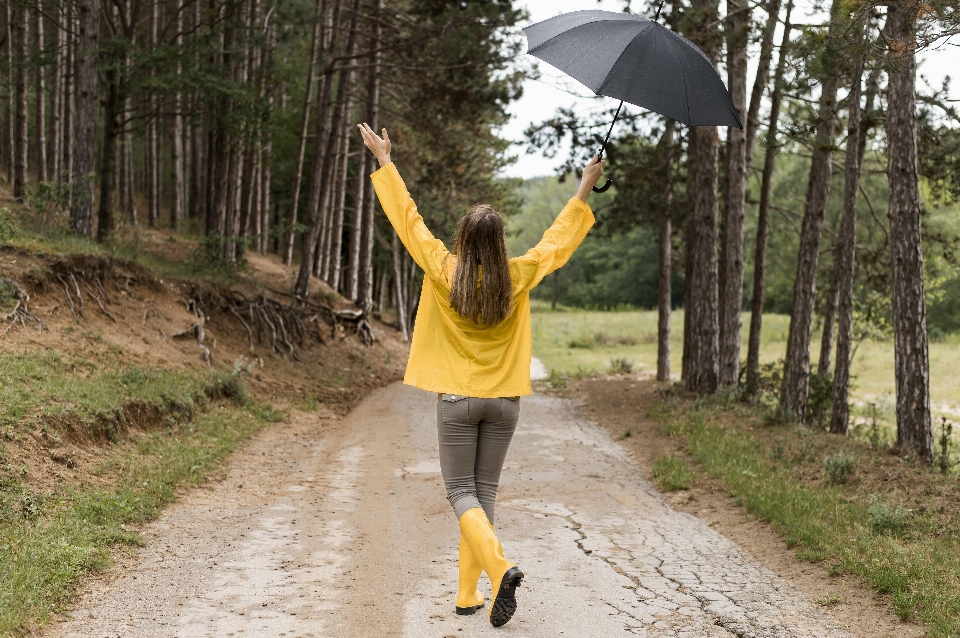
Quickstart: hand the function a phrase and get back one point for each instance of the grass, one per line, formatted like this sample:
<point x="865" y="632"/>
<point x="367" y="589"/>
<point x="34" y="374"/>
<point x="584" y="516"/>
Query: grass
<point x="40" y="386"/>
<point x="51" y="536"/>
<point x="671" y="474"/>
<point x="48" y="541"/>
<point x="573" y="342"/>
<point x="894" y="525"/>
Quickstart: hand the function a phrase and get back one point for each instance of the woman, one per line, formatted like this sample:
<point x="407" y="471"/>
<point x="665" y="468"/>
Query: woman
<point x="471" y="345"/>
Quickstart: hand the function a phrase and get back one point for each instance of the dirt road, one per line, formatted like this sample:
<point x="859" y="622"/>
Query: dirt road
<point x="329" y="527"/>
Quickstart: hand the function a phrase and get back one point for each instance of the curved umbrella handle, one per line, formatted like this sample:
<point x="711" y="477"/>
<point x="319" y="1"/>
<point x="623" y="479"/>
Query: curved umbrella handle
<point x="604" y="188"/>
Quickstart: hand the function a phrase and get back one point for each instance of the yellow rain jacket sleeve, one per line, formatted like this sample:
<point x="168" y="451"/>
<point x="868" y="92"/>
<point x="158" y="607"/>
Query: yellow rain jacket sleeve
<point x="450" y="354"/>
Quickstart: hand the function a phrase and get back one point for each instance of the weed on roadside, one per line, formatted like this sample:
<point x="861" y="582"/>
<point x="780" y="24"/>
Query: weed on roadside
<point x="839" y="468"/>
<point x="671" y="474"/>
<point x="621" y="365"/>
<point x="902" y="541"/>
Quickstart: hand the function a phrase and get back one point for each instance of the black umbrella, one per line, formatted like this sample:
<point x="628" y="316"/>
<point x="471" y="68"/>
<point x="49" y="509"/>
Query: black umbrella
<point x="635" y="60"/>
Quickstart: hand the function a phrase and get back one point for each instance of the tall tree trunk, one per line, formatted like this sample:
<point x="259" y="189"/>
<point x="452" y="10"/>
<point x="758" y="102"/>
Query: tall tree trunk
<point x="8" y="132"/>
<point x="153" y="139"/>
<point x="689" y="240"/>
<point x="112" y="104"/>
<point x="763" y="76"/>
<point x="56" y="100"/>
<point x="796" y="374"/>
<point x="84" y="138"/>
<point x="731" y="295"/>
<point x="703" y="175"/>
<point x="176" y="133"/>
<point x="396" y="257"/>
<point x="911" y="357"/>
<point x="304" y="127"/>
<point x="40" y="93"/>
<point x="365" y="271"/>
<point x="336" y="245"/>
<point x="21" y="29"/>
<point x="319" y="170"/>
<point x="356" y="232"/>
<point x="845" y="254"/>
<point x="763" y="214"/>
<point x="69" y="102"/>
<point x="829" y="319"/>
<point x="664" y="240"/>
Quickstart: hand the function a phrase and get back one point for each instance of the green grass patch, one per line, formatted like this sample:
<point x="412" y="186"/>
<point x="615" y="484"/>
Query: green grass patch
<point x="48" y="541"/>
<point x="902" y="538"/>
<point x="671" y="474"/>
<point x="155" y="429"/>
<point x="40" y="386"/>
<point x="572" y="339"/>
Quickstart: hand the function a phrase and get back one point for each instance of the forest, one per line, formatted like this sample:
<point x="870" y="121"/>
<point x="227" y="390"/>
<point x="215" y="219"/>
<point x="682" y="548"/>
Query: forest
<point x="836" y="204"/>
<point x="231" y="122"/>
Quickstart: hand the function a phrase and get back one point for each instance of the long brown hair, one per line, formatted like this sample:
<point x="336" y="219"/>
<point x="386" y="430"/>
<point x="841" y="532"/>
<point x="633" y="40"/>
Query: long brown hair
<point x="481" y="287"/>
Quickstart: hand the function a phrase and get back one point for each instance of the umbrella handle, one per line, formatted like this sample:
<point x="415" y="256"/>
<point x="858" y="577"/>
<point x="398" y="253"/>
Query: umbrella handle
<point x="604" y="188"/>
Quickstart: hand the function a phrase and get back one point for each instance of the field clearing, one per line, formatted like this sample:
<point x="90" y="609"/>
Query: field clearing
<point x="577" y="342"/>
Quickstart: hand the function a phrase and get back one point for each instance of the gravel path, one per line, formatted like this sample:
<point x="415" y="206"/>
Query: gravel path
<point x="340" y="528"/>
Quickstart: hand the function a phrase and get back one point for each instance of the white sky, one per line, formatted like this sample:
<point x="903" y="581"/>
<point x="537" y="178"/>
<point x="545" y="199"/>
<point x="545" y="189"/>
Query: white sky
<point x="541" y="98"/>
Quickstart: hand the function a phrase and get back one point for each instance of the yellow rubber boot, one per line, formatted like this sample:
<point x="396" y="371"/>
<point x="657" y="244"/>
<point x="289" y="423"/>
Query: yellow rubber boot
<point x="469" y="599"/>
<point x="504" y="575"/>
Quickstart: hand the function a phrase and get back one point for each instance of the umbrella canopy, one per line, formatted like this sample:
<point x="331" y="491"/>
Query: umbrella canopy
<point x="635" y="60"/>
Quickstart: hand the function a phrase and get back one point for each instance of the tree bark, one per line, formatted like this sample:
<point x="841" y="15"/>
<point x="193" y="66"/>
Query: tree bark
<point x="69" y="103"/>
<point x="689" y="240"/>
<point x="40" y="94"/>
<point x="702" y="313"/>
<point x="84" y="138"/>
<point x="796" y="374"/>
<point x="105" y="217"/>
<point x="664" y="241"/>
<point x="845" y="254"/>
<point x="829" y="319"/>
<point x="763" y="76"/>
<point x="56" y="101"/>
<point x="352" y="280"/>
<point x="763" y="214"/>
<point x="153" y="140"/>
<point x="365" y="271"/>
<point x="304" y="127"/>
<point x="911" y="357"/>
<point x="731" y="296"/>
<point x="177" y="194"/>
<point x="21" y="29"/>
<point x="8" y="132"/>
<point x="319" y="169"/>
<point x="399" y="288"/>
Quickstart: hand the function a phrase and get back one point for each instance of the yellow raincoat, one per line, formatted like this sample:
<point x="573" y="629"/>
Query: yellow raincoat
<point x="450" y="354"/>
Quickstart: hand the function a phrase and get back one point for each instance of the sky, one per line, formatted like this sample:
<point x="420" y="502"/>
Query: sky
<point x="542" y="97"/>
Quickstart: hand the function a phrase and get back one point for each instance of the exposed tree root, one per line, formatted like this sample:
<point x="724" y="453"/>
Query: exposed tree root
<point x="196" y="331"/>
<point x="21" y="310"/>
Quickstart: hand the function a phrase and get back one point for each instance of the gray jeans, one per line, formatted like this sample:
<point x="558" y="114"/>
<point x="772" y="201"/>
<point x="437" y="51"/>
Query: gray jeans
<point x="474" y="437"/>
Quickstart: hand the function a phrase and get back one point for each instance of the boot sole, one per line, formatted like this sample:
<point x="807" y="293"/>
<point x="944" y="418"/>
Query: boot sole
<point x="468" y="611"/>
<point x="505" y="604"/>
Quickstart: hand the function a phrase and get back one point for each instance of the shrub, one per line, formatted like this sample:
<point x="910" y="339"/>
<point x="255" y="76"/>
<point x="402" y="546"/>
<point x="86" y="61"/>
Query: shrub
<point x="580" y="342"/>
<point x="621" y="365"/>
<point x="839" y="467"/>
<point x="884" y="517"/>
<point x="671" y="474"/>
<point x="820" y="399"/>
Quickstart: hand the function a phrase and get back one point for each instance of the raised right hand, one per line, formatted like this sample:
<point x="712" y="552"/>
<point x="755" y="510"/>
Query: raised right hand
<point x="379" y="147"/>
<point x="591" y="174"/>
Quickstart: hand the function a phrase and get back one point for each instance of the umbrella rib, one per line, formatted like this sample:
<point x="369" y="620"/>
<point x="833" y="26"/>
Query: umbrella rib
<point x="683" y="71"/>
<point x="614" y="65"/>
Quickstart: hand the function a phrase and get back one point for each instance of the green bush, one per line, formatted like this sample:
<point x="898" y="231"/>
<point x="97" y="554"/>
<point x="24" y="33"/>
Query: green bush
<point x="671" y="474"/>
<point x="884" y="517"/>
<point x="839" y="467"/>
<point x="621" y="365"/>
